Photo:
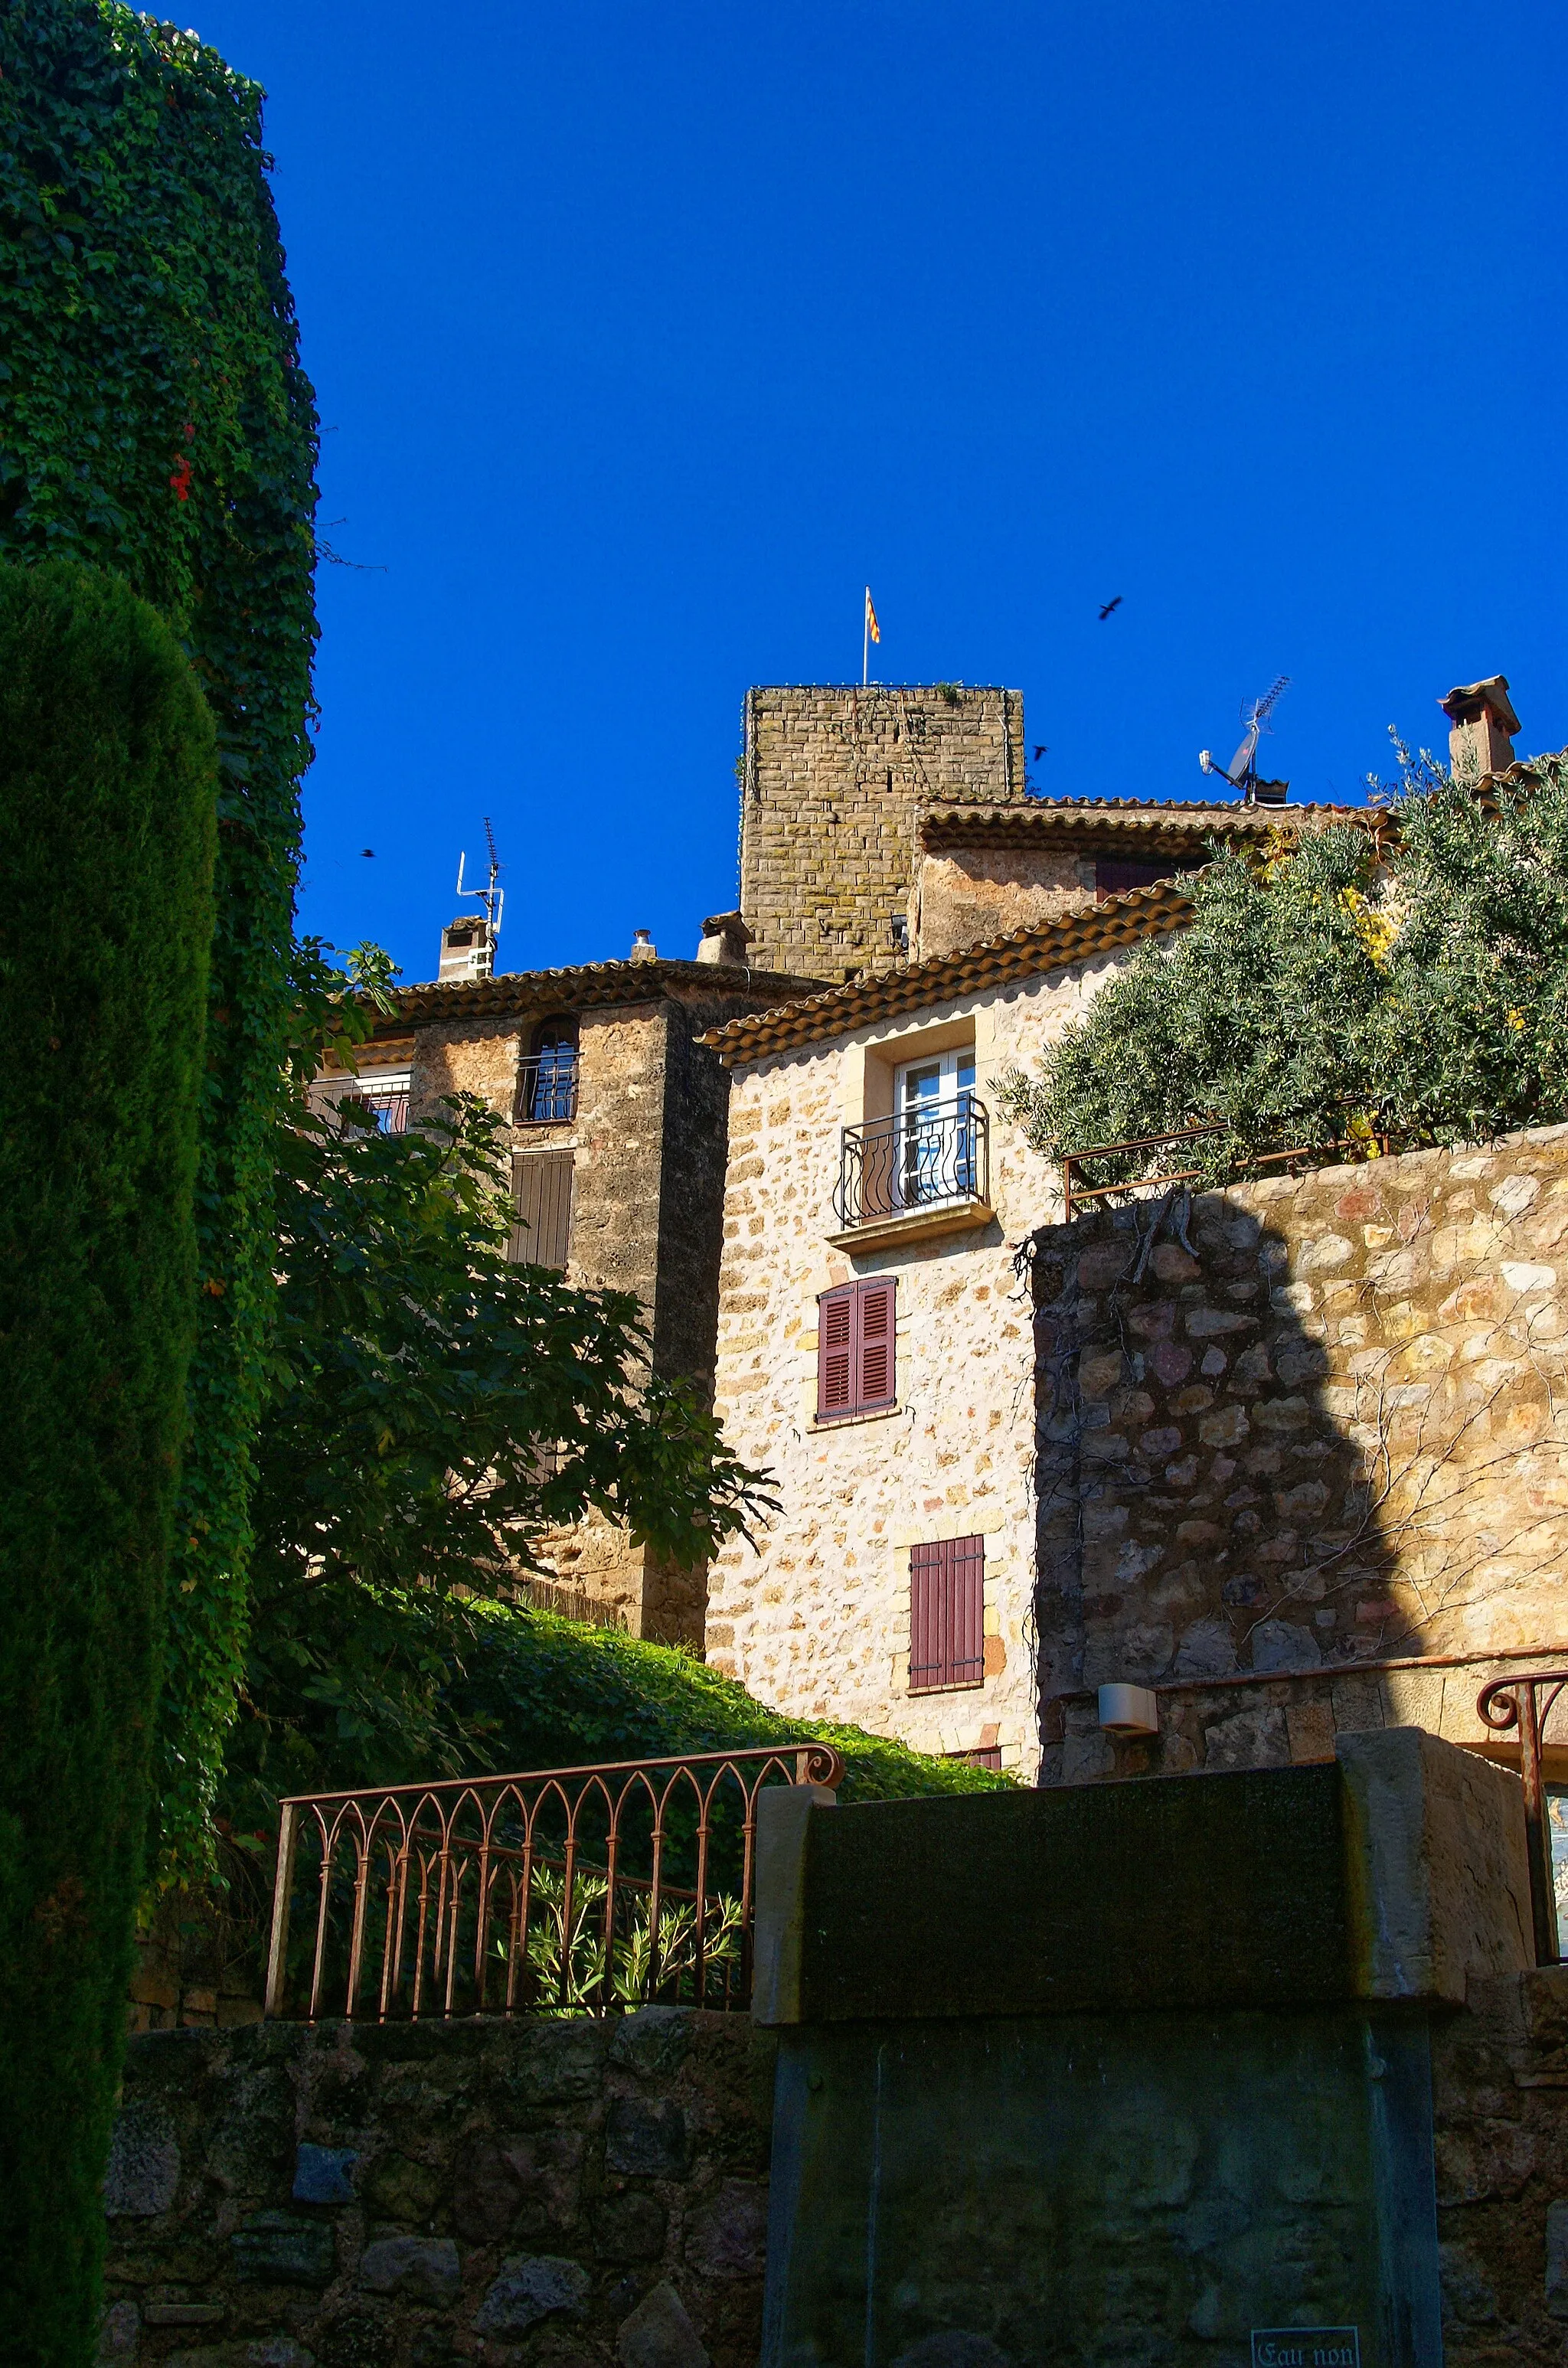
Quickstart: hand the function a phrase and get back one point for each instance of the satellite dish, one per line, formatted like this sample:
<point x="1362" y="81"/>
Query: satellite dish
<point x="1242" y="771"/>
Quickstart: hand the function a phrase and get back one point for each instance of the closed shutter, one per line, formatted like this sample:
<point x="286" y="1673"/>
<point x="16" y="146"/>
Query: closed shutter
<point x="947" y="1614"/>
<point x="541" y="1195"/>
<point x="856" y="1333"/>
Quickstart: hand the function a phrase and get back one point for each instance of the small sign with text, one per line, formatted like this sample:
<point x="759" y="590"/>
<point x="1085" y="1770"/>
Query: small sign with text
<point x="1306" y="2347"/>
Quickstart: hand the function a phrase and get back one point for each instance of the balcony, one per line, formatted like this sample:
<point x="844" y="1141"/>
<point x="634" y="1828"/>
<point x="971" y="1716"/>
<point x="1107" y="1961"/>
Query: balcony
<point x="385" y="1108"/>
<point x="547" y="1087"/>
<point x="908" y="1178"/>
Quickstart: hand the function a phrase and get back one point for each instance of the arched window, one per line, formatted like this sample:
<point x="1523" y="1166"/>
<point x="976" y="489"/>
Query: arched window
<point x="546" y="1075"/>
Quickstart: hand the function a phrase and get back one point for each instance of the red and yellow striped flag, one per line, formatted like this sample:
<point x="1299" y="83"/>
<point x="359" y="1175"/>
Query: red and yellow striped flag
<point x="872" y="627"/>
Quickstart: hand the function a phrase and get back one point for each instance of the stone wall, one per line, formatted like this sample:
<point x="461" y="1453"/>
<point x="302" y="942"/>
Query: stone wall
<point x="962" y="895"/>
<point x="815" y="1620"/>
<point x="834" y="779"/>
<point x="1313" y="1427"/>
<point x="563" y="2191"/>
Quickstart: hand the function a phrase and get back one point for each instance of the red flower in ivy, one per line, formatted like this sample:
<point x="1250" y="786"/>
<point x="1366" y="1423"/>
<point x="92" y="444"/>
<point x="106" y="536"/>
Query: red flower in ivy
<point x="180" y="482"/>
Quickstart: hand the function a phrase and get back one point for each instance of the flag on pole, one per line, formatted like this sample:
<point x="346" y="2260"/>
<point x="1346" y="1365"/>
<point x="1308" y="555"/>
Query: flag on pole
<point x="872" y="627"/>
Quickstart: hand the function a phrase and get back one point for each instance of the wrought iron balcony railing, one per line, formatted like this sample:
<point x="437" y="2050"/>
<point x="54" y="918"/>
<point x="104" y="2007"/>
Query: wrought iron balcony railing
<point x="547" y="1087"/>
<point x="384" y="1108"/>
<point x="890" y="1167"/>
<point x="573" y="1890"/>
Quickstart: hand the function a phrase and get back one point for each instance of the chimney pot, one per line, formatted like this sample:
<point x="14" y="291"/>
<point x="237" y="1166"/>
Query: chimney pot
<point x="643" y="947"/>
<point x="467" y="950"/>
<point x="725" y="938"/>
<point x="1482" y="724"/>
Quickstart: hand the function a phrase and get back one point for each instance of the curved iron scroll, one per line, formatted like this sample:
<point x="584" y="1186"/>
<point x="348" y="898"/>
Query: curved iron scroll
<point x="1527" y="1701"/>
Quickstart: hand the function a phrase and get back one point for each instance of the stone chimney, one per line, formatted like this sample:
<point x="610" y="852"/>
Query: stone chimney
<point x="643" y="947"/>
<point x="1483" y="722"/>
<point x="725" y="938"/>
<point x="467" y="950"/>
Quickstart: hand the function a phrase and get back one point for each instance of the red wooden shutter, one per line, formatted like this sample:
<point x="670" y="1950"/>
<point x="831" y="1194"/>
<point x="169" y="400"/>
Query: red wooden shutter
<point x="835" y="1351"/>
<point x="947" y="1614"/>
<point x="877" y="1329"/>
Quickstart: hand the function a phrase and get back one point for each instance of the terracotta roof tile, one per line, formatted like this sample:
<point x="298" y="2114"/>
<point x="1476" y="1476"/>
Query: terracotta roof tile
<point x="575" y="988"/>
<point x="1099" y="929"/>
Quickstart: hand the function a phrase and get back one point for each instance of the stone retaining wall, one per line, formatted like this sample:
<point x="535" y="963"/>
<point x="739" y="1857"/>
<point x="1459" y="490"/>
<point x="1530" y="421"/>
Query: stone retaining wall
<point x="567" y="2192"/>
<point x="1310" y="1422"/>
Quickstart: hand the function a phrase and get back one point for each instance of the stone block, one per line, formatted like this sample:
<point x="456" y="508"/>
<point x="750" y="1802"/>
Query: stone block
<point x="658" y="2334"/>
<point x="118" y="2334"/>
<point x="646" y="2139"/>
<point x="416" y="2269"/>
<point x="1439" y="1875"/>
<point x="398" y="2188"/>
<point x="728" y="2238"/>
<point x="630" y="2227"/>
<point x="654" y="2042"/>
<point x="1556" y="2282"/>
<point x="144" y="2164"/>
<point x="259" y="2351"/>
<point x="532" y="2287"/>
<point x="278" y="2249"/>
<point x="324" y="2174"/>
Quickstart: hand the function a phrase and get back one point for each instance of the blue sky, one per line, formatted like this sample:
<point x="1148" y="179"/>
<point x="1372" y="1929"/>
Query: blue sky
<point x="646" y="337"/>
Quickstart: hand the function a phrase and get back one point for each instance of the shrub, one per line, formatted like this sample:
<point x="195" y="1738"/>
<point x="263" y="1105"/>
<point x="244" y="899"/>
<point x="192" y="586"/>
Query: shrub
<point x="106" y="795"/>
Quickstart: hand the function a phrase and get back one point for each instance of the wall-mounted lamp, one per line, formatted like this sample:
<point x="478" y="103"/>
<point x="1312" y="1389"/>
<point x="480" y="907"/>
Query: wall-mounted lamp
<point x="1128" y="1709"/>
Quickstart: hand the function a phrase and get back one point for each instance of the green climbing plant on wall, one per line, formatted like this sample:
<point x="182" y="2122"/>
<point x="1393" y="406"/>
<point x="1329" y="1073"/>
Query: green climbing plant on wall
<point x="155" y="421"/>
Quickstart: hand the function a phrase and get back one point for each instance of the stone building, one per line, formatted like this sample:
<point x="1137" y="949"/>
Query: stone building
<point x="876" y="1335"/>
<point x="615" y="1115"/>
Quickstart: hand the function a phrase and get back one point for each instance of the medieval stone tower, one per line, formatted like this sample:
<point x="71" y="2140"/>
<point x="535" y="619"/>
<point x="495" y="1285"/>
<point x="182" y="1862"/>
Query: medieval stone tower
<point x="834" y="782"/>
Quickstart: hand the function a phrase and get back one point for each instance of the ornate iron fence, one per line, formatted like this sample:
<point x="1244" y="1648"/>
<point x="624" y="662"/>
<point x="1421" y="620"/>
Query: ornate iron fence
<point x="569" y="1890"/>
<point x="891" y="1166"/>
<point x="1527" y="1703"/>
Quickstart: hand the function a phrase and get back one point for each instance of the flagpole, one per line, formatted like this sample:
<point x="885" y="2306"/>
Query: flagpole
<point x="866" y="641"/>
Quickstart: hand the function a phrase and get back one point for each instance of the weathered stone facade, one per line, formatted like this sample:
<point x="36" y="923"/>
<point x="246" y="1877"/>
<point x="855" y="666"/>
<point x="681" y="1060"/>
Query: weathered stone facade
<point x="1312" y="1426"/>
<point x="402" y="2196"/>
<point x="834" y="779"/>
<point x="816" y="1619"/>
<point x="646" y="1145"/>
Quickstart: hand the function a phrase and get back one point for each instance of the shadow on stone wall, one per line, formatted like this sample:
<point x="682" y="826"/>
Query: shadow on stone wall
<point x="1292" y="1427"/>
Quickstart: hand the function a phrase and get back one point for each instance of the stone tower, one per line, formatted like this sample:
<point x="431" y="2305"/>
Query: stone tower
<point x="834" y="779"/>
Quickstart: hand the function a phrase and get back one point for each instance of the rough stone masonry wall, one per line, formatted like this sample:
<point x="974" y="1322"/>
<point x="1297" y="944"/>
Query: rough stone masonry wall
<point x="570" y="2192"/>
<point x="834" y="779"/>
<point x="1325" y="1429"/>
<point x="815" y="1619"/>
<point x="963" y="895"/>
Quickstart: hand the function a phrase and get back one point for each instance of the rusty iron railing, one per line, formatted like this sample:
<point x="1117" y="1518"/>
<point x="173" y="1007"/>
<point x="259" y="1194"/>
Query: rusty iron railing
<point x="1078" y="1194"/>
<point x="1527" y="1703"/>
<point x="567" y="1890"/>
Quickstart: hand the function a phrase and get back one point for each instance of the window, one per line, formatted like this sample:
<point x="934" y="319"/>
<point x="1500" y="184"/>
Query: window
<point x="541" y="1195"/>
<point x="376" y="1097"/>
<point x="947" y="1614"/>
<point x="546" y="1075"/>
<point x="1113" y="876"/>
<point x="935" y="1119"/>
<point x="855" y="1349"/>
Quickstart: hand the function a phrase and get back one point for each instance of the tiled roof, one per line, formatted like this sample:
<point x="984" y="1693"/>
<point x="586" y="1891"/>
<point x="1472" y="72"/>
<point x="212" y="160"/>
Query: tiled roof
<point x="576" y="988"/>
<point x="1023" y="954"/>
<point x="1182" y="821"/>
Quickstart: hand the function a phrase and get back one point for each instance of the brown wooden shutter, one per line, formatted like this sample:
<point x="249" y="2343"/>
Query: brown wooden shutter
<point x="541" y="1195"/>
<point x="947" y="1614"/>
<point x="878" y="1332"/>
<point x="835" y="1350"/>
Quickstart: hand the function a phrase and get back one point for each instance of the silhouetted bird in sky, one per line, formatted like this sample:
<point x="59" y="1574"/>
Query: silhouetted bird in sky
<point x="1108" y="607"/>
<point x="1039" y="753"/>
<point x="366" y="851"/>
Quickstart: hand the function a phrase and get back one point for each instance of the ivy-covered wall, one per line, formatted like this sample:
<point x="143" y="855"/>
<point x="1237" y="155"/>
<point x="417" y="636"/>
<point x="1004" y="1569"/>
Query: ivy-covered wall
<point x="154" y="419"/>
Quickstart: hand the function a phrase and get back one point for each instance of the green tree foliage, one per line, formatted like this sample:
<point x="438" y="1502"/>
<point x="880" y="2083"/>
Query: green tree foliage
<point x="155" y="421"/>
<point x="1412" y="977"/>
<point x="108" y="786"/>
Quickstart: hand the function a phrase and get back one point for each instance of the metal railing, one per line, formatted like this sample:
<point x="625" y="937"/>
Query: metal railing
<point x="1078" y="1194"/>
<point x="547" y="1087"/>
<point x="389" y="1108"/>
<point x="891" y="1166"/>
<point x="1527" y="1703"/>
<point x="569" y="1890"/>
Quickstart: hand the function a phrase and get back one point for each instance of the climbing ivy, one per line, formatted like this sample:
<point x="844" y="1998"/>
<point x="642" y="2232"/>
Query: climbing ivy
<point x="154" y="419"/>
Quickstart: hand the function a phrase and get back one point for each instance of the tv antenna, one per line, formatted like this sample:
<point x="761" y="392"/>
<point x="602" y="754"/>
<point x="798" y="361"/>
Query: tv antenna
<point x="491" y="897"/>
<point x="1242" y="771"/>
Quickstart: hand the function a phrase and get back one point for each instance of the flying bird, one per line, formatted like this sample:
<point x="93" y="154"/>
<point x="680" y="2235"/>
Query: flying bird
<point x="1108" y="607"/>
<point x="366" y="851"/>
<point x="1040" y="752"/>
